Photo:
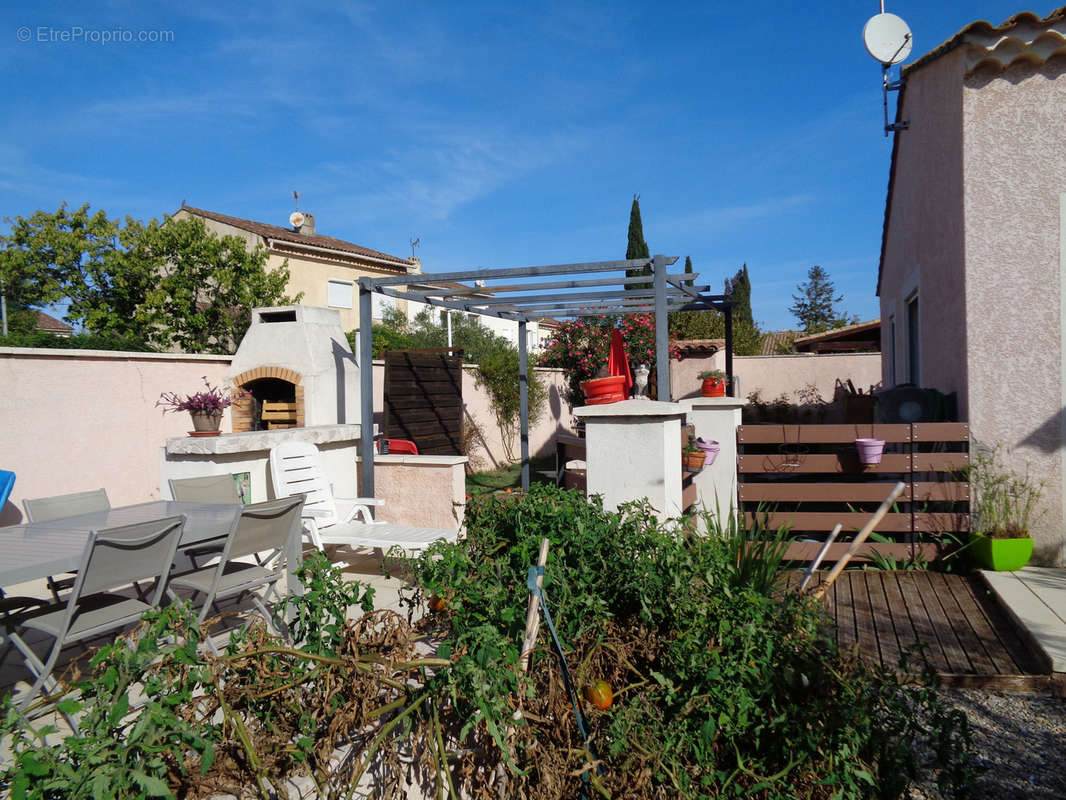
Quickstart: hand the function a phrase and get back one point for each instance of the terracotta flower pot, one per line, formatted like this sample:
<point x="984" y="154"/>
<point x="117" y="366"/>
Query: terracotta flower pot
<point x="603" y="390"/>
<point x="713" y="387"/>
<point x="693" y="462"/>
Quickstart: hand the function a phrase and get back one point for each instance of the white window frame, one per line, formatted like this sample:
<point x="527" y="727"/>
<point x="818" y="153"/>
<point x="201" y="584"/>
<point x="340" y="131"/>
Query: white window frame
<point x="913" y="338"/>
<point x="336" y="289"/>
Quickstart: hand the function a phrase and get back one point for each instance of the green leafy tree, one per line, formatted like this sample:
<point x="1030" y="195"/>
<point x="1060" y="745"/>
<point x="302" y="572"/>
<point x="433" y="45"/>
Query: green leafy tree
<point x="707" y="324"/>
<point x="198" y="289"/>
<point x="44" y="254"/>
<point x="637" y="247"/>
<point x="815" y="305"/>
<point x="171" y="285"/>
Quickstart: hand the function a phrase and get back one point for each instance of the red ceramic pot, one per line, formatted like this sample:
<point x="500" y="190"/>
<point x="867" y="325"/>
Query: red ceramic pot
<point x="603" y="390"/>
<point x="713" y="387"/>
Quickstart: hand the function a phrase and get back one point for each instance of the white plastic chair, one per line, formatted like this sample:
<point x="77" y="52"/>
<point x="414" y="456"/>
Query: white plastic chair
<point x="296" y="468"/>
<point x="260" y="527"/>
<point x="113" y="558"/>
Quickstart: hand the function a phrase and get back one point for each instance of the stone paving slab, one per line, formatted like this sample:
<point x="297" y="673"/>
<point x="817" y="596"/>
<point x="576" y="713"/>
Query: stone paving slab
<point x="1036" y="597"/>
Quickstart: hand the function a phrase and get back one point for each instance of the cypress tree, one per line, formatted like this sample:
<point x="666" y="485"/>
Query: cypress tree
<point x="637" y="247"/>
<point x="740" y="289"/>
<point x="746" y="334"/>
<point x="688" y="270"/>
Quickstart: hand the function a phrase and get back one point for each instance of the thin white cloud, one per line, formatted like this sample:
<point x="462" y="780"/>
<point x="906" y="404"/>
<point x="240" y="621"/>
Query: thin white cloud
<point x="714" y="220"/>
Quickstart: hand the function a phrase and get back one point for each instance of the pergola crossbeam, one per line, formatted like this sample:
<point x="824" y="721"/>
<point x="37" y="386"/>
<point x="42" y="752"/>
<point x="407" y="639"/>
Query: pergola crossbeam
<point x="620" y="295"/>
<point x="445" y="291"/>
<point x="490" y="273"/>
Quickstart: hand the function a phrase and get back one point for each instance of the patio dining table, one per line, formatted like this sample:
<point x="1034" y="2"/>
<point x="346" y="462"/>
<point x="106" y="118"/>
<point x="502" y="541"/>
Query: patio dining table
<point x="39" y="549"/>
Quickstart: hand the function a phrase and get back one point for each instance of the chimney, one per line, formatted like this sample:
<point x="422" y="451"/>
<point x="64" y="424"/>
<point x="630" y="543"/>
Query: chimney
<point x="308" y="226"/>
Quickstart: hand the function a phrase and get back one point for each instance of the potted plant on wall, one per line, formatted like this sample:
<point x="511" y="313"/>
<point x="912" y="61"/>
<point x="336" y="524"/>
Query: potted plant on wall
<point x="692" y="457"/>
<point x="205" y="407"/>
<point x="713" y="383"/>
<point x="1002" y="510"/>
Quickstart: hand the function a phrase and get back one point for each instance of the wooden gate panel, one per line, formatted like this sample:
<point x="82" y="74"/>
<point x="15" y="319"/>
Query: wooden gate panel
<point x="424" y="399"/>
<point x="809" y="477"/>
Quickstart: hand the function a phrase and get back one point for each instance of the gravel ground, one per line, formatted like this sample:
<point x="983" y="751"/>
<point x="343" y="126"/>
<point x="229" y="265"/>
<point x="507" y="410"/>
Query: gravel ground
<point x="1019" y="742"/>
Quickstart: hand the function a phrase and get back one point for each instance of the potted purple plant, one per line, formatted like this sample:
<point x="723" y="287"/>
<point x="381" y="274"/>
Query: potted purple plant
<point x="205" y="407"/>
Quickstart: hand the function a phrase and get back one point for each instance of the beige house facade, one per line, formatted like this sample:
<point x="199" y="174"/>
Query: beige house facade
<point x="324" y="268"/>
<point x="972" y="277"/>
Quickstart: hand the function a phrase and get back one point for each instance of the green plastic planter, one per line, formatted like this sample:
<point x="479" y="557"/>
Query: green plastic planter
<point x="1000" y="555"/>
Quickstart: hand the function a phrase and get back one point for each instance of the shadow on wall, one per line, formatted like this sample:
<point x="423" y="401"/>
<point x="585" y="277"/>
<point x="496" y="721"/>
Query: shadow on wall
<point x="1047" y="438"/>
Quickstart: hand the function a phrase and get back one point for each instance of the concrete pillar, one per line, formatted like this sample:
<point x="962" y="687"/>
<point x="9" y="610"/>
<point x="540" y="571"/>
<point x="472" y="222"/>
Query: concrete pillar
<point x="717" y="418"/>
<point x="633" y="451"/>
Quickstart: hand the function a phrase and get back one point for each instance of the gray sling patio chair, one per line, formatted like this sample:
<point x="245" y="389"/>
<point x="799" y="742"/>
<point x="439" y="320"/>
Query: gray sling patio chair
<point x="205" y="489"/>
<point x="271" y="526"/>
<point x="113" y="558"/>
<point x="44" y="509"/>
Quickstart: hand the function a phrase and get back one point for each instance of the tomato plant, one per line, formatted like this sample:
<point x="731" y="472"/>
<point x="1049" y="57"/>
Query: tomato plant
<point x="437" y="603"/>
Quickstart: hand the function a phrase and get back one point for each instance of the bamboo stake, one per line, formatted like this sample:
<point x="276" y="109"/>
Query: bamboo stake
<point x="818" y="558"/>
<point x="821" y="589"/>
<point x="533" y="612"/>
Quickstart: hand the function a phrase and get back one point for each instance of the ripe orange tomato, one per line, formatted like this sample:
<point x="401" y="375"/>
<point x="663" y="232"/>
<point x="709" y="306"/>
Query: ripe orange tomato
<point x="599" y="694"/>
<point x="437" y="603"/>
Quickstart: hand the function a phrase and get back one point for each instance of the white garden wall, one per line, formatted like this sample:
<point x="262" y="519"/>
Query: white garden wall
<point x="74" y="420"/>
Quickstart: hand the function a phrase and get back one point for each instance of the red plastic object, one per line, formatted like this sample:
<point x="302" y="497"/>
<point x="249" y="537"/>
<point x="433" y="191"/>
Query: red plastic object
<point x="402" y="447"/>
<point x="603" y="390"/>
<point x="618" y="364"/>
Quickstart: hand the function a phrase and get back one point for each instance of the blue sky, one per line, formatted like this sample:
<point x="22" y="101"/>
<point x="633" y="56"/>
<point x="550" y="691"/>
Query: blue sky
<point x="500" y="134"/>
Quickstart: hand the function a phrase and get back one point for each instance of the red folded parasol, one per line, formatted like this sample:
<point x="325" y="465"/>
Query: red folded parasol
<point x="618" y="364"/>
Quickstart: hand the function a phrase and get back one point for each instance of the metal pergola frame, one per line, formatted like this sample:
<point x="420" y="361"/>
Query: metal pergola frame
<point x="531" y="301"/>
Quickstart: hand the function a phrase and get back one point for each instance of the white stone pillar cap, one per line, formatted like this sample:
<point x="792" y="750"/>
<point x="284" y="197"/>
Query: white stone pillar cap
<point x="630" y="408"/>
<point x="691" y="403"/>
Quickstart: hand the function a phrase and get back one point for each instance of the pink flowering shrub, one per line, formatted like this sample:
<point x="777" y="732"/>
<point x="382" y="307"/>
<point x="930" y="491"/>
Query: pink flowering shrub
<point x="580" y="347"/>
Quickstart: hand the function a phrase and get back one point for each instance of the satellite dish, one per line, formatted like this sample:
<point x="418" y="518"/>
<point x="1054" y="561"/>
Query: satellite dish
<point x="296" y="219"/>
<point x="887" y="38"/>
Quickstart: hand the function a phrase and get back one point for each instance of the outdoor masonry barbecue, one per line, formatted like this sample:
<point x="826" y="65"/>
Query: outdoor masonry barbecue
<point x="296" y="370"/>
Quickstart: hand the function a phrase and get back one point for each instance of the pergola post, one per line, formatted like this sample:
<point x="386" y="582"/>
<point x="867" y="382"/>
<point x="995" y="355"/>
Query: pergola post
<point x="729" y="348"/>
<point x="523" y="402"/>
<point x="366" y="388"/>
<point x="662" y="330"/>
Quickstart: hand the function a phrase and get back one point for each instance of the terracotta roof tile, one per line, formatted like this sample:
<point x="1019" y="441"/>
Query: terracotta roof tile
<point x="50" y="324"/>
<point x="693" y="346"/>
<point x="837" y="333"/>
<point x="281" y="234"/>
<point x="774" y="342"/>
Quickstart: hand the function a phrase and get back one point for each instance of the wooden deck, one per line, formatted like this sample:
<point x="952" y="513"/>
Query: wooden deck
<point x="968" y="638"/>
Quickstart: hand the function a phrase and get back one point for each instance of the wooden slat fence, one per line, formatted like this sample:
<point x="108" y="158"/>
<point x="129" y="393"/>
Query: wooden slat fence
<point x="424" y="399"/>
<point x="809" y="477"/>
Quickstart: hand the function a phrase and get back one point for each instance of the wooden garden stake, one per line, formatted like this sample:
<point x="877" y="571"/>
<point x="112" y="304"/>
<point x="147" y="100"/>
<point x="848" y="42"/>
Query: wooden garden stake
<point x="818" y="558"/>
<point x="533" y="612"/>
<point x="821" y="589"/>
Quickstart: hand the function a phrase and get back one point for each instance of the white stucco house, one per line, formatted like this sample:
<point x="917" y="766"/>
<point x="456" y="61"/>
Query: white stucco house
<point x="972" y="277"/>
